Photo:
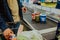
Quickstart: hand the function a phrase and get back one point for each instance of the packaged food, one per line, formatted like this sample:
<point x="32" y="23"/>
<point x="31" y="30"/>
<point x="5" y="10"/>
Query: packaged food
<point x="37" y="18"/>
<point x="33" y="16"/>
<point x="42" y="18"/>
<point x="37" y="14"/>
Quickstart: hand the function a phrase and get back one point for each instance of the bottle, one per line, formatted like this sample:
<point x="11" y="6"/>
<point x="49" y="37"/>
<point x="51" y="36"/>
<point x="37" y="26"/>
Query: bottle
<point x="57" y="37"/>
<point x="37" y="17"/>
<point x="33" y="16"/>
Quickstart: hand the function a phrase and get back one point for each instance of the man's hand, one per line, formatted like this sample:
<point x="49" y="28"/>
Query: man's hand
<point x="13" y="37"/>
<point x="24" y="9"/>
<point x="7" y="33"/>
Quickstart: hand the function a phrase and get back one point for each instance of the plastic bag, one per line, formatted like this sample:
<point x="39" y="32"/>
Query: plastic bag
<point x="29" y="35"/>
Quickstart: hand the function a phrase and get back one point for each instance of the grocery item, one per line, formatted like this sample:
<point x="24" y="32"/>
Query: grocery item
<point x="42" y="0"/>
<point x="21" y="37"/>
<point x="42" y="18"/>
<point x="48" y="0"/>
<point x="33" y="16"/>
<point x="37" y="14"/>
<point x="37" y="18"/>
<point x="29" y="35"/>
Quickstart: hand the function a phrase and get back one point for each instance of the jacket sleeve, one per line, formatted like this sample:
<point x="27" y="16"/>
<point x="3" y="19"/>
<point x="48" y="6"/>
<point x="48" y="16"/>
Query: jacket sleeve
<point x="3" y="25"/>
<point x="7" y="11"/>
<point x="20" y="9"/>
<point x="13" y="5"/>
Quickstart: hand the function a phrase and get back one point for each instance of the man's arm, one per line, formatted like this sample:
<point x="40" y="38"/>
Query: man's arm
<point x="13" y="5"/>
<point x="3" y="25"/>
<point x="58" y="4"/>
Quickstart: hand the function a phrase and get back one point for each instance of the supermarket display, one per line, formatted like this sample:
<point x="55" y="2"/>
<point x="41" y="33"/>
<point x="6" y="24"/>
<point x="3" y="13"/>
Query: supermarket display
<point x="42" y="0"/>
<point x="48" y="0"/>
<point x="54" y="0"/>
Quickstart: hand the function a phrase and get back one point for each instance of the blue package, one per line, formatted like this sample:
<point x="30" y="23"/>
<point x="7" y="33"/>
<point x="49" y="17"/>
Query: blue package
<point x="43" y="18"/>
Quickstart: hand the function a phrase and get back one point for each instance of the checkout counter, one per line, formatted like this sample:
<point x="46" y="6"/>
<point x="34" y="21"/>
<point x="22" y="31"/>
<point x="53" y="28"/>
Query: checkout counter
<point x="47" y="30"/>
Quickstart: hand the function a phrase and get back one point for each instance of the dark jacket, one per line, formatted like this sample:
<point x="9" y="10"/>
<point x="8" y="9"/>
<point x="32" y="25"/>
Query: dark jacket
<point x="5" y="11"/>
<point x="3" y="25"/>
<point x="20" y="9"/>
<point x="5" y="14"/>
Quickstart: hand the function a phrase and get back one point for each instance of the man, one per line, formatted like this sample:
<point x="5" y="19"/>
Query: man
<point x="58" y="4"/>
<point x="9" y="12"/>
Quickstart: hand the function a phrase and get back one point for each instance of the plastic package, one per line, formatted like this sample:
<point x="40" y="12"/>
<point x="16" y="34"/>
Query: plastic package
<point x="29" y="35"/>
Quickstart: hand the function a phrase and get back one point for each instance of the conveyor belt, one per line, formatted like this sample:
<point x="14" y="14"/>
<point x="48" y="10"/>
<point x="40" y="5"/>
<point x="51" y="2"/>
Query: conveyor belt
<point x="38" y="26"/>
<point x="49" y="36"/>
